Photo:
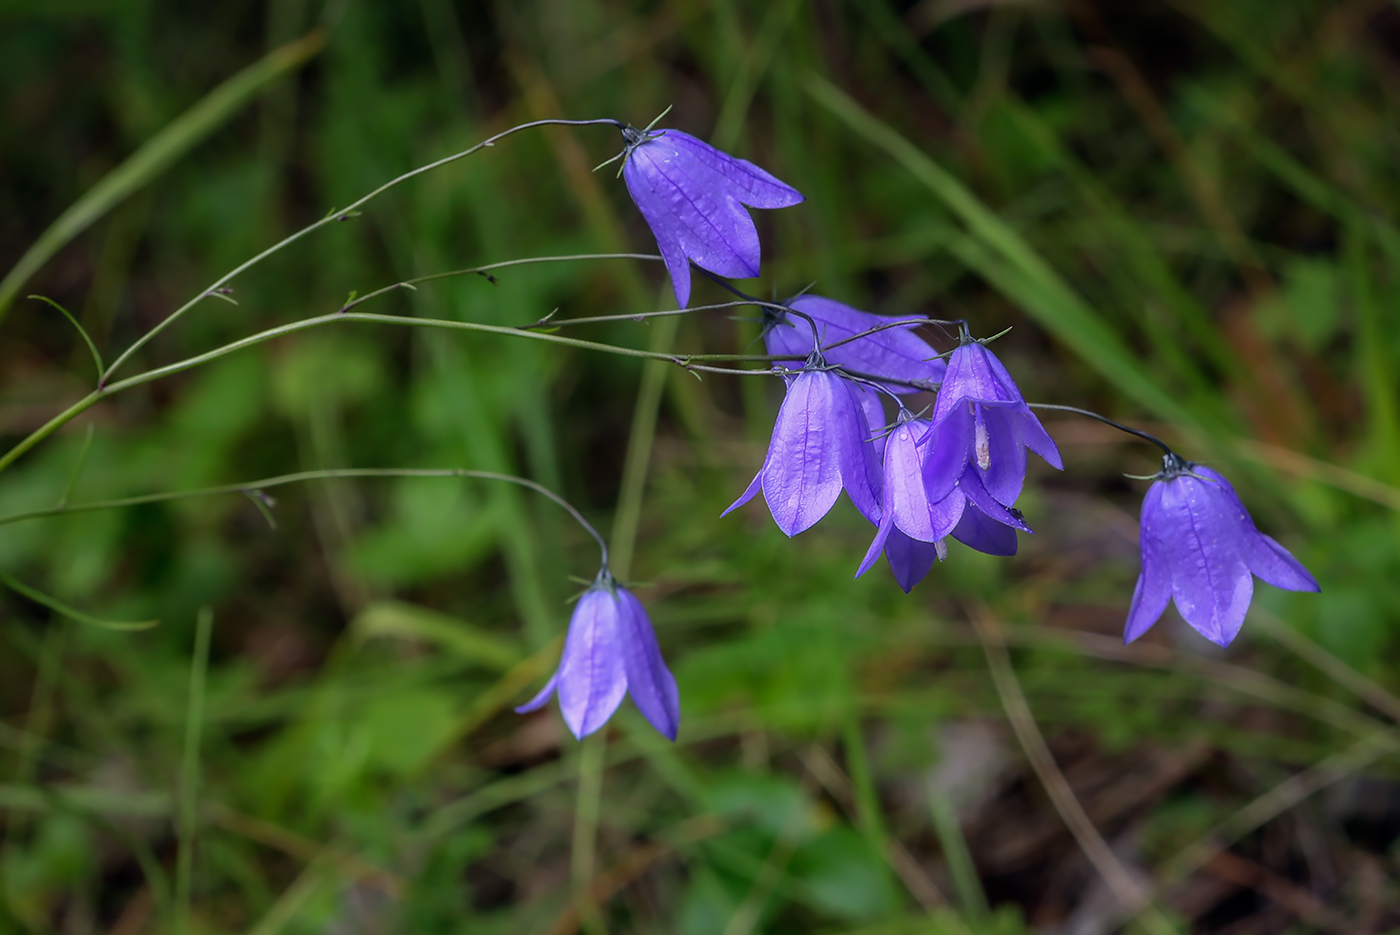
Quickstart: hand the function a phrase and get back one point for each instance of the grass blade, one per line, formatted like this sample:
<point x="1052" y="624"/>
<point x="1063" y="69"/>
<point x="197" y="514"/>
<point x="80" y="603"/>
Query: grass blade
<point x="1011" y="264"/>
<point x="189" y="771"/>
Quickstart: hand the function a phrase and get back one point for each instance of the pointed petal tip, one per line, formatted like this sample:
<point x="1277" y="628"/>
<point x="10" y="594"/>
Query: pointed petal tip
<point x="649" y="681"/>
<point x="1219" y="639"/>
<point x="876" y="550"/>
<point x="792" y="527"/>
<point x="668" y="729"/>
<point x="749" y="493"/>
<point x="540" y="699"/>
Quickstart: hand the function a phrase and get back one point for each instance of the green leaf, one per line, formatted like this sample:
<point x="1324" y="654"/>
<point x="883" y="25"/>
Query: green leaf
<point x="59" y="607"/>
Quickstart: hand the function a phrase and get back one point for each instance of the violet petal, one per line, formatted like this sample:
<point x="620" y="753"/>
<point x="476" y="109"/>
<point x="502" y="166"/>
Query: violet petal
<point x="692" y="196"/>
<point x="910" y="559"/>
<point x="1154" y="584"/>
<point x="978" y="531"/>
<point x="650" y="683"/>
<point x="591" y="679"/>
<point x="1211" y="584"/>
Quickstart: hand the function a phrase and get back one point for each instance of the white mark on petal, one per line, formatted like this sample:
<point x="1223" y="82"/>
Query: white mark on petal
<point x="984" y="444"/>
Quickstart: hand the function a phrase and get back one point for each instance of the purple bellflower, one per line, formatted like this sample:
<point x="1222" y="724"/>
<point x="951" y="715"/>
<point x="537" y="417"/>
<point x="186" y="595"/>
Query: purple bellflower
<point x="610" y="651"/>
<point x="985" y="428"/>
<point x="819" y="446"/>
<point x="912" y="526"/>
<point x="1200" y="547"/>
<point x="904" y="502"/>
<point x="897" y="353"/>
<point x="693" y="196"/>
<point x="909" y="559"/>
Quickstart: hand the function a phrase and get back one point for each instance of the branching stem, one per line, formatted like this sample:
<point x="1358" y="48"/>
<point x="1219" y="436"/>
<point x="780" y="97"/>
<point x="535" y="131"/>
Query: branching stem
<point x="335" y="215"/>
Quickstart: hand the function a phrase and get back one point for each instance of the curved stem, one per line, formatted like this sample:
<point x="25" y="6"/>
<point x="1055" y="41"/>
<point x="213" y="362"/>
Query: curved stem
<point x="1148" y="436"/>
<point x="333" y="318"/>
<point x="549" y="321"/>
<point x="684" y="360"/>
<point x="927" y="386"/>
<point x="752" y="300"/>
<point x="484" y="270"/>
<point x="282" y="480"/>
<point x="337" y="215"/>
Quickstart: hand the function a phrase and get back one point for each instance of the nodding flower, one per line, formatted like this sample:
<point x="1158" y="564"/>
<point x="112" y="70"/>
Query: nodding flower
<point x="1201" y="548"/>
<point x="984" y="426"/>
<point x="610" y="651"/>
<point x="819" y="447"/>
<point x="693" y="197"/>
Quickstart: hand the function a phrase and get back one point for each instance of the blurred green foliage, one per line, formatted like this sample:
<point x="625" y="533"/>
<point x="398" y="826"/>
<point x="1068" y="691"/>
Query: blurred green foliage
<point x="1186" y="211"/>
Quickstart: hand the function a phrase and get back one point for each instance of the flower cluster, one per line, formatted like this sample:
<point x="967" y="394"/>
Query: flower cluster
<point x="956" y="473"/>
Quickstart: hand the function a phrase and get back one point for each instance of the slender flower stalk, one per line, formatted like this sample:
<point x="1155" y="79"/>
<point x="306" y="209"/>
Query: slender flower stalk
<point x="340" y="214"/>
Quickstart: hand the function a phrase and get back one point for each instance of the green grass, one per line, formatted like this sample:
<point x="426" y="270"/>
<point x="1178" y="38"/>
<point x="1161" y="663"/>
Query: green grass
<point x="1203" y="243"/>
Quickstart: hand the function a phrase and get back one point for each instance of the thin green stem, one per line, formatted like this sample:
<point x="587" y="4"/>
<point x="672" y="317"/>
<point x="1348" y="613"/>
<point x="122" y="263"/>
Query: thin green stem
<point x="1147" y="436"/>
<point x="486" y="270"/>
<point x="335" y="215"/>
<point x="583" y="859"/>
<point x="870" y="816"/>
<point x="77" y="466"/>
<point x="267" y="483"/>
<point x="306" y="324"/>
<point x="624" y="540"/>
<point x="972" y="898"/>
<point x="51" y="426"/>
<point x="189" y="771"/>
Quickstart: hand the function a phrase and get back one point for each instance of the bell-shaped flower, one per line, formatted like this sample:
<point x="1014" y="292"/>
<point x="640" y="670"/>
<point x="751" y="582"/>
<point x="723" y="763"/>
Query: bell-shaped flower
<point x="610" y="651"/>
<point x="986" y="427"/>
<point x="897" y="353"/>
<point x="1201" y="548"/>
<point x="904" y="503"/>
<point x="693" y="196"/>
<point x="819" y="446"/>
